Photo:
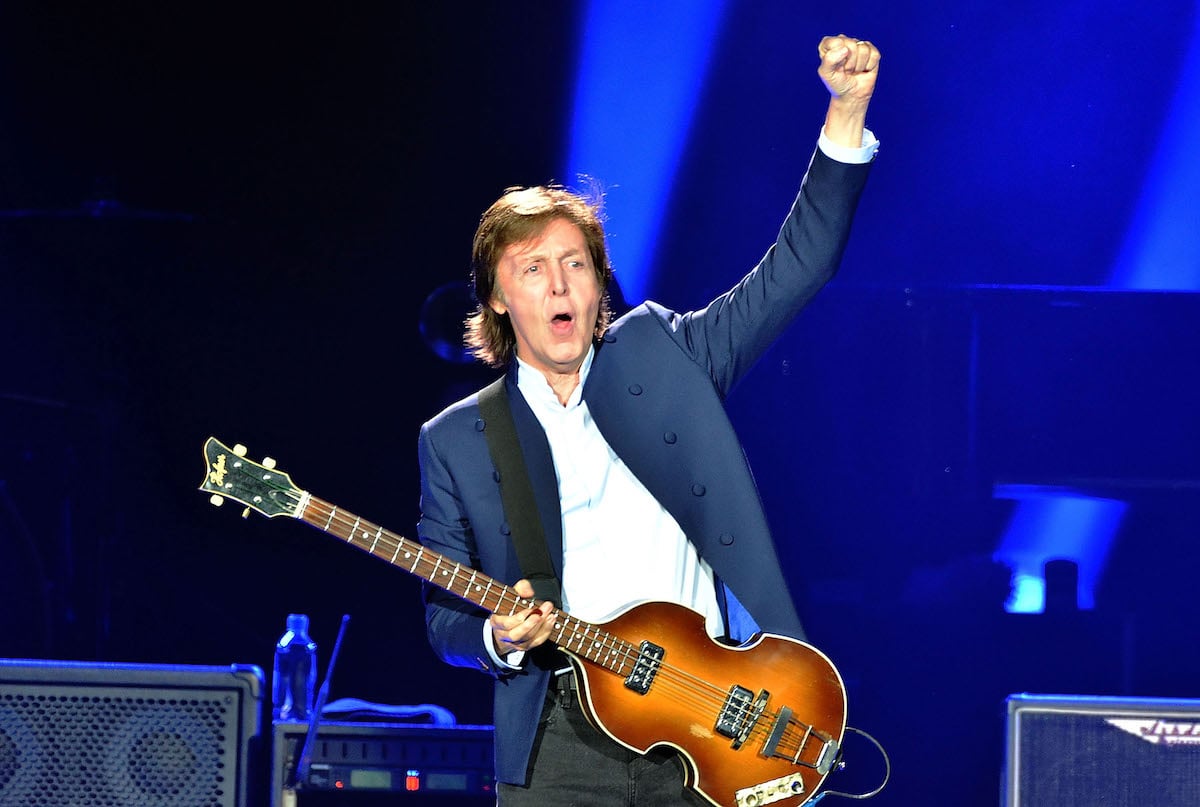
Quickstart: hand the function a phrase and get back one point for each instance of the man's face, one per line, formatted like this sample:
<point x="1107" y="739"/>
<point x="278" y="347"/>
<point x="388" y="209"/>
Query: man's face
<point x="547" y="286"/>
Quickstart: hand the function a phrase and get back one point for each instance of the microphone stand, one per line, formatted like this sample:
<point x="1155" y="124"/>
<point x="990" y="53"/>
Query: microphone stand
<point x="300" y="772"/>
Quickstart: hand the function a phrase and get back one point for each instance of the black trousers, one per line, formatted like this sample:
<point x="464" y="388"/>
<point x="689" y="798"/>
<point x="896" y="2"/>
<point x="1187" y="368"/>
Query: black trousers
<point x="576" y="765"/>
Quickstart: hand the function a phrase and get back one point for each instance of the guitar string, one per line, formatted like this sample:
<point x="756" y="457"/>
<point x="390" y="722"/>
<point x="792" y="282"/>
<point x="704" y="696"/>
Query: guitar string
<point x="668" y="677"/>
<point x="507" y="597"/>
<point x="686" y="687"/>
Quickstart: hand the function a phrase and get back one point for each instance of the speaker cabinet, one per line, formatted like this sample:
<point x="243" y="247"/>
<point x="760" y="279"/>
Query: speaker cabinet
<point x="74" y="734"/>
<point x="1072" y="751"/>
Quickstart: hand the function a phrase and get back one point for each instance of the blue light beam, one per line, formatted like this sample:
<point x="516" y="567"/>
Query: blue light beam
<point x="1162" y="246"/>
<point x="640" y="76"/>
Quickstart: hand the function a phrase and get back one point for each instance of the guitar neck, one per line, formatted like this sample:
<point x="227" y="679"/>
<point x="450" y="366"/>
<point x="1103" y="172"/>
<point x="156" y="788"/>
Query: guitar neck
<point x="412" y="557"/>
<point x="583" y="638"/>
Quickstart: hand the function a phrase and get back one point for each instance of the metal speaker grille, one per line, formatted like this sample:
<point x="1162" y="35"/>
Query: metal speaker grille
<point x="117" y="747"/>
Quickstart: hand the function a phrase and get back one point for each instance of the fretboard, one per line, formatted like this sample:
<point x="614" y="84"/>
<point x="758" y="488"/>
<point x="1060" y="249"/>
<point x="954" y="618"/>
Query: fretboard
<point x="581" y="638"/>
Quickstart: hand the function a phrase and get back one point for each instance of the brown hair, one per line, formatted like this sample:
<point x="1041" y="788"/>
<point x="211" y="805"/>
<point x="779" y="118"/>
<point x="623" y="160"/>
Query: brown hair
<point x="519" y="215"/>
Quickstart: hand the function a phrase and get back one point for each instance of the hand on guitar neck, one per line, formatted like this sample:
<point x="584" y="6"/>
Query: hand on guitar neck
<point x="523" y="630"/>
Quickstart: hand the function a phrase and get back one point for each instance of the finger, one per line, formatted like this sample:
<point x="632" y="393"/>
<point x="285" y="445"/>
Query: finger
<point x="866" y="57"/>
<point x="527" y="621"/>
<point x="523" y="588"/>
<point x="529" y="633"/>
<point x="507" y="623"/>
<point x="834" y="52"/>
<point x="834" y="43"/>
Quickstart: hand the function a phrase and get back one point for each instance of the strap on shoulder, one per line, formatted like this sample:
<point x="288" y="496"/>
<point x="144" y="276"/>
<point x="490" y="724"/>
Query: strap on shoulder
<point x="516" y="492"/>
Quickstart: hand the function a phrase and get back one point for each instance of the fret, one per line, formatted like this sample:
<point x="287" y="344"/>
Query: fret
<point x="353" y="529"/>
<point x="578" y="638"/>
<point x="374" y="543"/>
<point x="614" y="654"/>
<point x="584" y="648"/>
<point x="596" y="649"/>
<point x="332" y="513"/>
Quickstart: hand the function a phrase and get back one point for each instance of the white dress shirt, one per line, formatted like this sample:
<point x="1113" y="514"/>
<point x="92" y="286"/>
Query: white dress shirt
<point x="620" y="546"/>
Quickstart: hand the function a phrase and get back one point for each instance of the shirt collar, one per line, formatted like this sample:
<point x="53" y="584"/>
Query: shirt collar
<point x="535" y="387"/>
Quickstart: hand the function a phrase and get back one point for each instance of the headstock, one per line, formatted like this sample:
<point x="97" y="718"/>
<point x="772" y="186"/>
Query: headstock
<point x="259" y="486"/>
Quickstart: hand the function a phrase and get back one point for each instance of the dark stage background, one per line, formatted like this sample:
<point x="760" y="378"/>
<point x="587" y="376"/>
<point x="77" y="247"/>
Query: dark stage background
<point x="227" y="220"/>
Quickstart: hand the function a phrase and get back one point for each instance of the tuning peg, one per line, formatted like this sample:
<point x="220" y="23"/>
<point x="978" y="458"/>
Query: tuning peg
<point x="240" y="450"/>
<point x="269" y="463"/>
<point x="246" y="513"/>
<point x="216" y="501"/>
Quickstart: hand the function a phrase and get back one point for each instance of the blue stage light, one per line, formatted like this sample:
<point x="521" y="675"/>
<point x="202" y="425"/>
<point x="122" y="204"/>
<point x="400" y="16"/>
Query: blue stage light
<point x="640" y="75"/>
<point x="1051" y="523"/>
<point x="1162" y="246"/>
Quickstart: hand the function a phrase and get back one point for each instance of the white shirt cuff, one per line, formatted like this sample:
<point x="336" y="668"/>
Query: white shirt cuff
<point x="849" y="154"/>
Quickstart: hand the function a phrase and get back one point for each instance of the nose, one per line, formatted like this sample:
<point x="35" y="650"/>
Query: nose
<point x="558" y="280"/>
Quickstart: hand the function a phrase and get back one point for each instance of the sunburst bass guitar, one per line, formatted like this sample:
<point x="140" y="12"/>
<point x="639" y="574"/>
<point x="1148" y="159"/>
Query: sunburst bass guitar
<point x="755" y="725"/>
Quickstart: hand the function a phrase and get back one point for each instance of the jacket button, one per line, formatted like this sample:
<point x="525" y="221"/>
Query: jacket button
<point x="504" y="530"/>
<point x="726" y="539"/>
<point x="635" y="389"/>
<point x="669" y="438"/>
<point x="698" y="489"/>
<point x="496" y="476"/>
<point x="479" y="425"/>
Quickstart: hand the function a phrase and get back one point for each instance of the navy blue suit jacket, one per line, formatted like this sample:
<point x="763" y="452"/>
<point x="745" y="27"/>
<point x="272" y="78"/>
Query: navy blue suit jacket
<point x="656" y="391"/>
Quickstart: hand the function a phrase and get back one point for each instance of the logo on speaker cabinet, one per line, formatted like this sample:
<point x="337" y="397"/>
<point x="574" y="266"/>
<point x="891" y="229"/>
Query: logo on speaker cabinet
<point x="1159" y="732"/>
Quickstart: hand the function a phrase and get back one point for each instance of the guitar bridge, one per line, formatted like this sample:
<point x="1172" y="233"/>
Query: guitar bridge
<point x="827" y="753"/>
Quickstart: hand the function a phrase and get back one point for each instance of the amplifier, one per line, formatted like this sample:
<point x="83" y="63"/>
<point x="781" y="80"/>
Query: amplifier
<point x="79" y="734"/>
<point x="355" y="761"/>
<point x="1075" y="751"/>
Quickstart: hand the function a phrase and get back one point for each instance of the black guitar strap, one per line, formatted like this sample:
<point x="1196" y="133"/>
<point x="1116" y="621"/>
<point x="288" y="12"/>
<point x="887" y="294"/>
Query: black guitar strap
<point x="516" y="493"/>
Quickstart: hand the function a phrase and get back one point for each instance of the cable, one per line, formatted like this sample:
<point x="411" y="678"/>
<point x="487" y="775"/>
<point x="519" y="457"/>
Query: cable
<point x="887" y="772"/>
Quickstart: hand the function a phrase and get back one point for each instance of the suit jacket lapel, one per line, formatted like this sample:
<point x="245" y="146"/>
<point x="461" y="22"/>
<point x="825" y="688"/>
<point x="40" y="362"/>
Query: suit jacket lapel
<point x="539" y="464"/>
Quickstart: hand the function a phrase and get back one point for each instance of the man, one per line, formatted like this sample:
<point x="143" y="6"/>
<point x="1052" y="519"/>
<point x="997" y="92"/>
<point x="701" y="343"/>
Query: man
<point x="641" y="486"/>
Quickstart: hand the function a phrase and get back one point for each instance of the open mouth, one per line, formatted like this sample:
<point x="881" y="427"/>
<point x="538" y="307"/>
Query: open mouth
<point x="562" y="324"/>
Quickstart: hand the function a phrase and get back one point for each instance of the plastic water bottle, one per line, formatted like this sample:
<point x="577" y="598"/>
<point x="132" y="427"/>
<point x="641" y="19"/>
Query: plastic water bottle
<point x="294" y="683"/>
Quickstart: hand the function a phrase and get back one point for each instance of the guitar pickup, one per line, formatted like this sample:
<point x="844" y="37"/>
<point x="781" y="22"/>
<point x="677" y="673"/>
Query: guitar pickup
<point x="739" y="715"/>
<point x="646" y="666"/>
<point x="732" y="716"/>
